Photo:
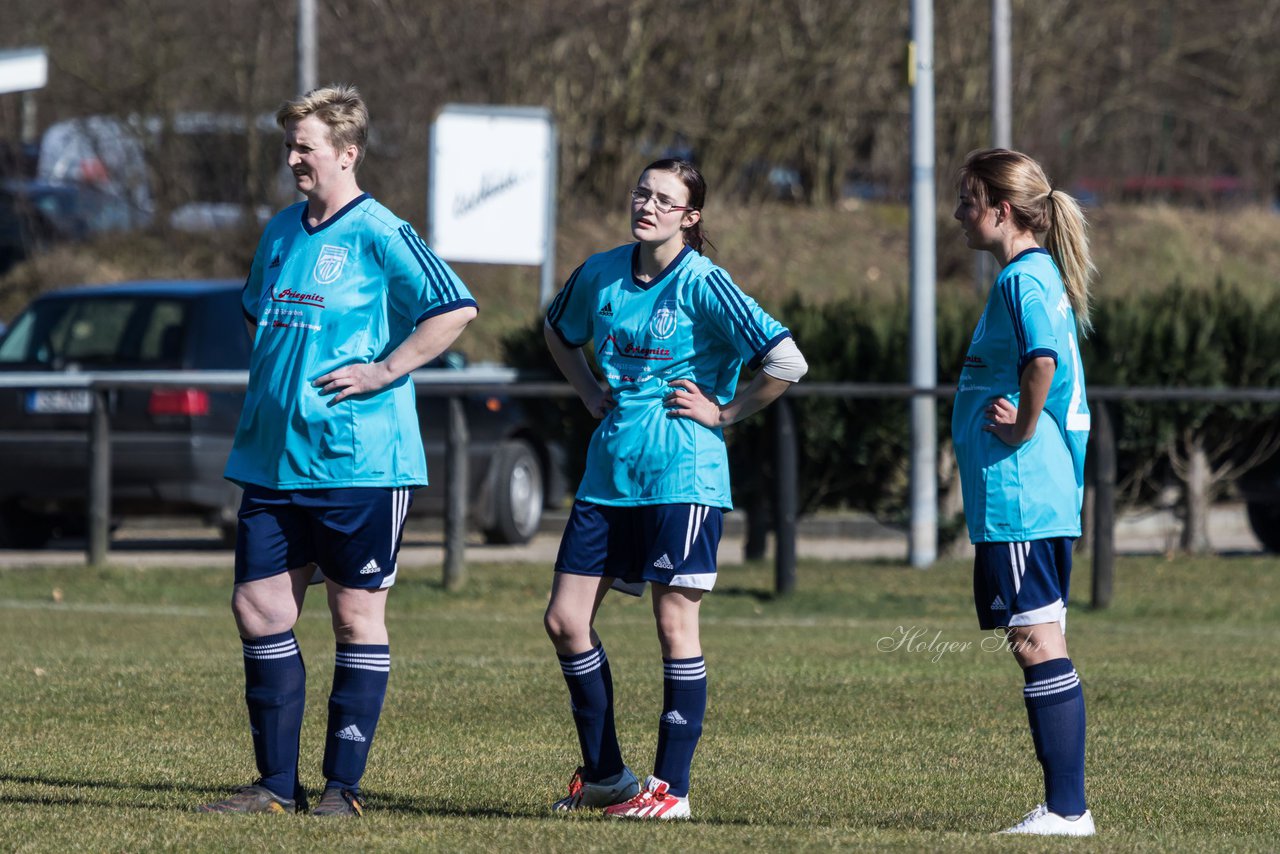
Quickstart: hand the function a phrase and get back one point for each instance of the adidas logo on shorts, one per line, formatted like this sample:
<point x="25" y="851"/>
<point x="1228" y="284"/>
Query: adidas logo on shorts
<point x="664" y="562"/>
<point x="370" y="568"/>
<point x="998" y="605"/>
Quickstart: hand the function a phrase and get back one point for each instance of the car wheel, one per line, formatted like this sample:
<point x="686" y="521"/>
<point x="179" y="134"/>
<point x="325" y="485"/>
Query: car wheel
<point x="517" y="493"/>
<point x="1264" y="519"/>
<point x="22" y="529"/>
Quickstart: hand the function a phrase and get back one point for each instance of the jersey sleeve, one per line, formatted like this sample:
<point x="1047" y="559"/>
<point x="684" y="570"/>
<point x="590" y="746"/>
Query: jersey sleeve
<point x="569" y="314"/>
<point x="251" y="296"/>
<point x="419" y="284"/>
<point x="1029" y="315"/>
<point x="736" y="318"/>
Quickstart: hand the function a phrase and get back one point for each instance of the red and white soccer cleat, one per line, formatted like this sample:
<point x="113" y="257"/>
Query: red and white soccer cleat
<point x="653" y="801"/>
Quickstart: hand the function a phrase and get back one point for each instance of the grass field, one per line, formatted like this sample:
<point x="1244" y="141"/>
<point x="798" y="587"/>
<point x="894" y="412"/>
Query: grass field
<point x="121" y="698"/>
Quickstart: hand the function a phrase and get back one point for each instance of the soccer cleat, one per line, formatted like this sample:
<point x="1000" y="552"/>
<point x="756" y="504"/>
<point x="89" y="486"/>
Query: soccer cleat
<point x="340" y="802"/>
<point x="256" y="798"/>
<point x="652" y="802"/>
<point x="583" y="795"/>
<point x="1041" y="822"/>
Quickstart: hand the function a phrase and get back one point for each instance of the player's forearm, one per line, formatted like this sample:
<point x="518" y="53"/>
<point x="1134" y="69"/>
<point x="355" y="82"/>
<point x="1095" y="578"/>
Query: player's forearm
<point x="1034" y="385"/>
<point x="431" y="338"/>
<point x="759" y="393"/>
<point x="573" y="364"/>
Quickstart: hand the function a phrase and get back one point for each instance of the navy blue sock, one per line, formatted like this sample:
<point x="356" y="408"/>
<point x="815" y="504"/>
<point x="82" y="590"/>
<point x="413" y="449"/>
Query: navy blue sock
<point x="360" y="672"/>
<point x="275" y="690"/>
<point x="684" y="704"/>
<point x="1055" y="709"/>
<point x="591" y="699"/>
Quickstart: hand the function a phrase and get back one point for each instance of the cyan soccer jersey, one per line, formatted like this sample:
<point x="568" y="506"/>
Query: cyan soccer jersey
<point x="1032" y="492"/>
<point x="692" y="322"/>
<point x="350" y="290"/>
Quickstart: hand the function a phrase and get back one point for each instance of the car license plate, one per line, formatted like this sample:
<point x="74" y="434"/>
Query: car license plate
<point x="60" y="401"/>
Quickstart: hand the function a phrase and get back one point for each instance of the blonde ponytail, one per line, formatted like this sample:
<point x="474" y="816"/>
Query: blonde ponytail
<point x="1068" y="242"/>
<point x="995" y="175"/>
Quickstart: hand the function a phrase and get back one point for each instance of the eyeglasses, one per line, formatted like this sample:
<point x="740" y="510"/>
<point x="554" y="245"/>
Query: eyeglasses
<point x="640" y="197"/>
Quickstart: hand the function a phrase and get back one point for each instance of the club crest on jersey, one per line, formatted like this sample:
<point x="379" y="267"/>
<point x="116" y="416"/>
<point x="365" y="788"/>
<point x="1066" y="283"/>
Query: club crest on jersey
<point x="329" y="265"/>
<point x="980" y="329"/>
<point x="663" y="323"/>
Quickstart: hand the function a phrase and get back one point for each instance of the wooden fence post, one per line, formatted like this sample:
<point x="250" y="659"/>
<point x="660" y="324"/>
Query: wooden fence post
<point x="457" y="449"/>
<point x="786" y="503"/>
<point x="1104" y="506"/>
<point x="99" y="477"/>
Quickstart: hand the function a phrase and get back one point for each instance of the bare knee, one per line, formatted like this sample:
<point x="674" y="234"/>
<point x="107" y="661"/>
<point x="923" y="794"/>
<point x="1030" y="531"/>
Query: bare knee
<point x="678" y="636"/>
<point x="358" y="615"/>
<point x="1032" y="645"/>
<point x="348" y="628"/>
<point x="569" y="632"/>
<point x="259" y="615"/>
<point x="675" y="611"/>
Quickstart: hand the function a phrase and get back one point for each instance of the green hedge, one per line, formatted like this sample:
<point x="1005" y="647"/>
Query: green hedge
<point x="855" y="453"/>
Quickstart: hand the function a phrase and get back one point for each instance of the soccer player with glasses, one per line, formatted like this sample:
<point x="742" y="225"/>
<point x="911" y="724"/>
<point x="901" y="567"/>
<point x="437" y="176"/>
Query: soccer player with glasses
<point x="344" y="300"/>
<point x="1020" y="426"/>
<point x="671" y="332"/>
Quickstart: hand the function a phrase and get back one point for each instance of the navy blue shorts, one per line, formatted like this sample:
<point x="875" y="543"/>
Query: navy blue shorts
<point x="1022" y="584"/>
<point x="672" y="544"/>
<point x="352" y="534"/>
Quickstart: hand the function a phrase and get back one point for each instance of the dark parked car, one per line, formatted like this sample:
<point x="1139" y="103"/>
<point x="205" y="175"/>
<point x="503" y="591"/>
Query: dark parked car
<point x="169" y="445"/>
<point x="35" y="215"/>
<point x="1260" y="488"/>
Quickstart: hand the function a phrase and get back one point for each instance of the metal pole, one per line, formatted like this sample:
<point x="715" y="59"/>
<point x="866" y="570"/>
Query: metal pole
<point x="306" y="47"/>
<point x="1104" y="506"/>
<point x="924" y="369"/>
<point x="1001" y="75"/>
<point x="30" y="128"/>
<point x="784" y="561"/>
<point x="457" y="443"/>
<point x="99" y="479"/>
<point x="984" y="265"/>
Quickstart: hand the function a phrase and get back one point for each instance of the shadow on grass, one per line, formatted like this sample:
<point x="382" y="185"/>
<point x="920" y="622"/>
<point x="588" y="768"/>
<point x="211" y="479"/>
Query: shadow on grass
<point x="63" y="782"/>
<point x="77" y="800"/>
<point x="379" y="801"/>
<point x="402" y="805"/>
<point x="746" y="593"/>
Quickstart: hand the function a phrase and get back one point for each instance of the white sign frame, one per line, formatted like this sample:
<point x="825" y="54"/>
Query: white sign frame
<point x="491" y="195"/>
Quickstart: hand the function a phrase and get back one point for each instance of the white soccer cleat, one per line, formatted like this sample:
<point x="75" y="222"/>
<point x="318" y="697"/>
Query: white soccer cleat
<point x="653" y="801"/>
<point x="617" y="789"/>
<point x="1041" y="822"/>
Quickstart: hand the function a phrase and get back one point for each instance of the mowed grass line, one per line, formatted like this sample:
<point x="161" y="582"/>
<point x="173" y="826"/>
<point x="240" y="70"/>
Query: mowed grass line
<point x="863" y="712"/>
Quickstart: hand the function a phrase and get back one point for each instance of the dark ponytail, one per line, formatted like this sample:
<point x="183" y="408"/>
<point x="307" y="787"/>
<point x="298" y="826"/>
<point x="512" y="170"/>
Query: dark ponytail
<point x="695" y="236"/>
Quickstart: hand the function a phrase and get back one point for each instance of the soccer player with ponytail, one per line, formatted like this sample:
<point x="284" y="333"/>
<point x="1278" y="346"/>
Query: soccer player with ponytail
<point x="1020" y="426"/>
<point x="671" y="332"/>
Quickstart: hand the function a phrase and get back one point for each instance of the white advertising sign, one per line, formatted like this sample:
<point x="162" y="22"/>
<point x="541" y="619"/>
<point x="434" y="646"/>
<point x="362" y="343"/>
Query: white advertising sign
<point x="23" y="70"/>
<point x="492" y="175"/>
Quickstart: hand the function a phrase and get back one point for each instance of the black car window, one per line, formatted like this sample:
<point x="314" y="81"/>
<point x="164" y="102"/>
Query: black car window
<point x="126" y="332"/>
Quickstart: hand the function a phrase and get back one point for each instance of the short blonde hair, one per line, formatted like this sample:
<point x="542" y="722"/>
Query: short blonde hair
<point x="342" y="110"/>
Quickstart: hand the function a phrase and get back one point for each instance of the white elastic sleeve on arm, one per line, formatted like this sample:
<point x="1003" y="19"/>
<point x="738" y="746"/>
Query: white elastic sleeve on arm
<point x="785" y="361"/>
